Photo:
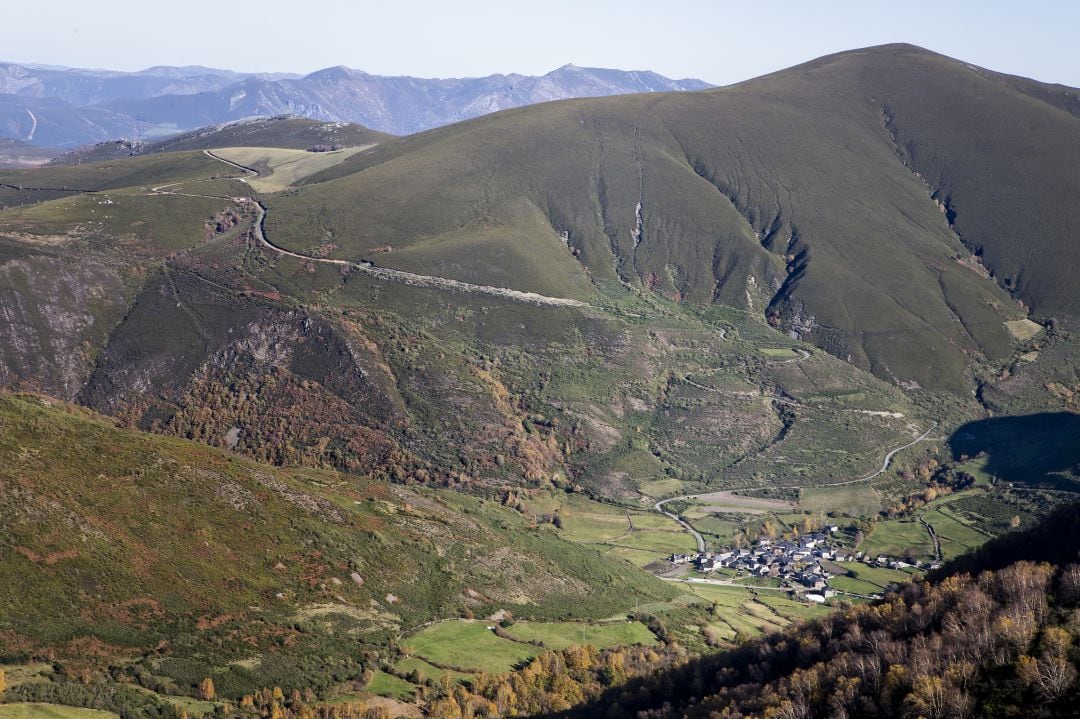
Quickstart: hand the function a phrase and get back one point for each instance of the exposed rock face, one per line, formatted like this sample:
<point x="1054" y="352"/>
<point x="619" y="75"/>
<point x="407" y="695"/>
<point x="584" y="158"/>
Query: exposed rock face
<point x="50" y="311"/>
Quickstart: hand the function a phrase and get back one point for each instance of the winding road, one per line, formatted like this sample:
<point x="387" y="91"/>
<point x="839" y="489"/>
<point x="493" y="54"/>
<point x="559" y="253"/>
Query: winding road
<point x="659" y="506"/>
<point x="399" y="276"/>
<point x="885" y="464"/>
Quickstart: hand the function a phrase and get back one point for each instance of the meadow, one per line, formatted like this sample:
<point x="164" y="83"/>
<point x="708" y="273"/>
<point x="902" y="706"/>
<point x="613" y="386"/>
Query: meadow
<point x="468" y="646"/>
<point x="34" y="710"/>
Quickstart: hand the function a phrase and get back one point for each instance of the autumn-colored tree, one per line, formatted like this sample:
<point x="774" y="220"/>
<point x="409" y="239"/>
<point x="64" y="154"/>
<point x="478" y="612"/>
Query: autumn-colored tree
<point x="3" y="681"/>
<point x="1051" y="674"/>
<point x="206" y="689"/>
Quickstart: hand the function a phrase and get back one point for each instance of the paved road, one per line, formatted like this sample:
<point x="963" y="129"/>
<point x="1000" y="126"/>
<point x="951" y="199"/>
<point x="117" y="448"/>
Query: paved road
<point x="659" y="506"/>
<point x="719" y="583"/>
<point x="400" y="276"/>
<point x="885" y="463"/>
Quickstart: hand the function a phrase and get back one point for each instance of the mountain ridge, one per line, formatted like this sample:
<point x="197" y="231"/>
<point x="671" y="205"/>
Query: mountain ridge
<point x="161" y="100"/>
<point x="839" y="179"/>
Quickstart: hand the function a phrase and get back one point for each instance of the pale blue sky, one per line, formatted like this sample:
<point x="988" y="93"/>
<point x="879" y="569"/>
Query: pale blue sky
<point x="717" y="40"/>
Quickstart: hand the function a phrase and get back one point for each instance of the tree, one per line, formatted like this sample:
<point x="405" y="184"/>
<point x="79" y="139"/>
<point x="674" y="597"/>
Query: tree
<point x="3" y="682"/>
<point x="1052" y="673"/>
<point x="206" y="689"/>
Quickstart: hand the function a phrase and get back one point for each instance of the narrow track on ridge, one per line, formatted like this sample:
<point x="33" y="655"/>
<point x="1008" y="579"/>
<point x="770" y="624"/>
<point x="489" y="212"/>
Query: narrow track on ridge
<point x="400" y="276"/>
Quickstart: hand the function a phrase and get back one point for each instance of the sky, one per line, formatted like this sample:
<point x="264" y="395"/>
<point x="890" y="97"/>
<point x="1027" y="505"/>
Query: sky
<point x="715" y="40"/>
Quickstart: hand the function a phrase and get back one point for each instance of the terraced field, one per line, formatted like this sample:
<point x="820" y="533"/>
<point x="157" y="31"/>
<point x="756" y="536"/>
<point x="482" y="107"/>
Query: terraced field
<point x="638" y="536"/>
<point x="746" y="612"/>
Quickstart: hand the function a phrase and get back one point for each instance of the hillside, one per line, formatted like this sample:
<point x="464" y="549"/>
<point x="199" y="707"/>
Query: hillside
<point x="50" y="122"/>
<point x="190" y="562"/>
<point x="139" y="287"/>
<point x="284" y="132"/>
<point x="999" y="644"/>
<point x="808" y="196"/>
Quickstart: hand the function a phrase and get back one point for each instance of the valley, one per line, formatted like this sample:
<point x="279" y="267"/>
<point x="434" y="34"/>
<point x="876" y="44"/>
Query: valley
<point x="530" y="411"/>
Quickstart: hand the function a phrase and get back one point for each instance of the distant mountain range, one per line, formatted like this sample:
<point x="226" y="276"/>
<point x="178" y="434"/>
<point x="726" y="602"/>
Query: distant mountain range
<point x="60" y="107"/>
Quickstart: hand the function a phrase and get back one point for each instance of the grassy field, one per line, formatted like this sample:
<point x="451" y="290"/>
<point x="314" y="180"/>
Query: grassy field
<point x="1023" y="329"/>
<point x="749" y="612"/>
<point x="468" y="646"/>
<point x="658" y="488"/>
<point x="977" y="468"/>
<point x="894" y="537"/>
<point x="856" y="500"/>
<point x="50" y="711"/>
<point x="387" y="685"/>
<point x="565" y="634"/>
<point x="955" y="534"/>
<point x="426" y="670"/>
<point x="281" y="168"/>
<point x="854" y="586"/>
<point x="608" y="528"/>
<point x="778" y="352"/>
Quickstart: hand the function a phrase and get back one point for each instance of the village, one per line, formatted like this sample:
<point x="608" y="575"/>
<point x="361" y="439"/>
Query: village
<point x="803" y="565"/>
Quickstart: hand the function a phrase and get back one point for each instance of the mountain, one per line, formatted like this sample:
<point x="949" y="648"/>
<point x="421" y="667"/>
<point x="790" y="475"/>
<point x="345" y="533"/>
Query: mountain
<point x="707" y="287"/>
<point x="505" y="364"/>
<point x="161" y="100"/>
<point x="81" y="87"/>
<point x="398" y="105"/>
<point x="50" y="122"/>
<point x="858" y="202"/>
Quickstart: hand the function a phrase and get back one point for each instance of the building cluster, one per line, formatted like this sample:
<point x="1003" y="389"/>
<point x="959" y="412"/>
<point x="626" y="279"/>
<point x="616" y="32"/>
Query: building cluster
<point x="795" y="562"/>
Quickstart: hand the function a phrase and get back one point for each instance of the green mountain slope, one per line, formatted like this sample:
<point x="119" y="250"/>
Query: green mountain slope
<point x="821" y="196"/>
<point x="155" y="303"/>
<point x="113" y="543"/>
<point x="695" y="233"/>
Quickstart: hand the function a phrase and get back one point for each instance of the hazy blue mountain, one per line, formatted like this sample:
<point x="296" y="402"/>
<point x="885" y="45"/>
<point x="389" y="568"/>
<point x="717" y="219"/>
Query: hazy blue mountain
<point x="162" y="100"/>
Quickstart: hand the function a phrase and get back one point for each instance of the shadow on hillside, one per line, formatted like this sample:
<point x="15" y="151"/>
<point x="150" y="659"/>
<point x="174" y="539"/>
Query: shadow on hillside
<point x="1035" y="450"/>
<point x="1055" y="539"/>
